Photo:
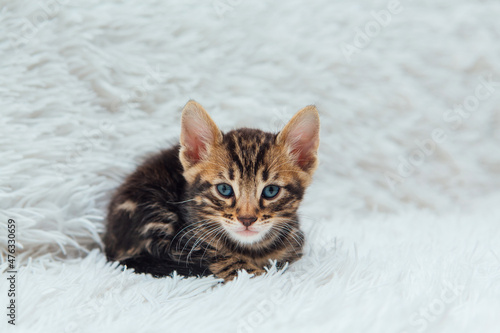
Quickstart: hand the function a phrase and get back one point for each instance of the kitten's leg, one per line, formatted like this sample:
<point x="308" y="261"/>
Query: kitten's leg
<point x="160" y="257"/>
<point x="160" y="267"/>
<point x="135" y="229"/>
<point x="227" y="268"/>
<point x="149" y="248"/>
<point x="157" y="237"/>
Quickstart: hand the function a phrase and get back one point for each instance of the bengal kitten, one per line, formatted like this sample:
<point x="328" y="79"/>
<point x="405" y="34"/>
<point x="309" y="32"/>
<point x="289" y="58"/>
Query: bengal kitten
<point x="218" y="202"/>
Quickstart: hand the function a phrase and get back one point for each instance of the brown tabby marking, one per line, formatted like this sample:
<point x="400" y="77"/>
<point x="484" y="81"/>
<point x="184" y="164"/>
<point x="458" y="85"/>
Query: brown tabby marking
<point x="128" y="206"/>
<point x="152" y="227"/>
<point x="170" y="215"/>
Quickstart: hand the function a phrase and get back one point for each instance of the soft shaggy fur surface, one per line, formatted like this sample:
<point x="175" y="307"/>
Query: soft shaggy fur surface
<point x="88" y="88"/>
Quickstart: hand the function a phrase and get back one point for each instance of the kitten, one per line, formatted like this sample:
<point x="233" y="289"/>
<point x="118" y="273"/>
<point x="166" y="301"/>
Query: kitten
<point x="218" y="202"/>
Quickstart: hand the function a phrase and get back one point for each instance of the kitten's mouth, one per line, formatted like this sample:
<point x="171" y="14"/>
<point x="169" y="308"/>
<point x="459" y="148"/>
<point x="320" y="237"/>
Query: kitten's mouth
<point x="247" y="232"/>
<point x="247" y="235"/>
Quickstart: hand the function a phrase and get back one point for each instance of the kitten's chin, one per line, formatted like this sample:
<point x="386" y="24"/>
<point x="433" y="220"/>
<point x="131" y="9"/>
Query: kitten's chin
<point x="247" y="236"/>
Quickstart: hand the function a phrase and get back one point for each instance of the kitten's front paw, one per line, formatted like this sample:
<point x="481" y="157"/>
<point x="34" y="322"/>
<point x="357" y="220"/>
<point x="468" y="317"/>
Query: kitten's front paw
<point x="233" y="274"/>
<point x="228" y="269"/>
<point x="256" y="272"/>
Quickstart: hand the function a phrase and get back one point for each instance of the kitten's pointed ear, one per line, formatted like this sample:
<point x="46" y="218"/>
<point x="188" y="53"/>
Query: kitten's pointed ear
<point x="301" y="138"/>
<point x="199" y="134"/>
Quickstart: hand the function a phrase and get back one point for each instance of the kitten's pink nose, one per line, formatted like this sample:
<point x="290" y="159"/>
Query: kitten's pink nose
<point x="247" y="220"/>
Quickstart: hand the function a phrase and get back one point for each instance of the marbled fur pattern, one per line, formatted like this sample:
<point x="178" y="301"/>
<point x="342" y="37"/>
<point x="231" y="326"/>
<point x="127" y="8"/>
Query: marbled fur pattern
<point x="169" y="216"/>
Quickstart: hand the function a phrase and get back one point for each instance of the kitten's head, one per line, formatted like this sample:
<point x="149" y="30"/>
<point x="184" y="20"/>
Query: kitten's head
<point x="247" y="181"/>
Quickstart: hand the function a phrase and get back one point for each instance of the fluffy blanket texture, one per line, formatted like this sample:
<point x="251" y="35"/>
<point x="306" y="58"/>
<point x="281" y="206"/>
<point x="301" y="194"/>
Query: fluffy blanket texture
<point x="402" y="220"/>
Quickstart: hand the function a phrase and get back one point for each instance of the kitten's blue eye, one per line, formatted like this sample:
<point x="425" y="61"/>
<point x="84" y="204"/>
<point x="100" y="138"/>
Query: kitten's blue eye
<point x="270" y="191"/>
<point x="225" y="190"/>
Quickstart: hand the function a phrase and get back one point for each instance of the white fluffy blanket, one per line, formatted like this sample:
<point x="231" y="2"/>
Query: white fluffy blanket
<point x="402" y="221"/>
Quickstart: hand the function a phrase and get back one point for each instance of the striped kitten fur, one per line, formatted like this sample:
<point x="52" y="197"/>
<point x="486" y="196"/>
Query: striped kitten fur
<point x="217" y="202"/>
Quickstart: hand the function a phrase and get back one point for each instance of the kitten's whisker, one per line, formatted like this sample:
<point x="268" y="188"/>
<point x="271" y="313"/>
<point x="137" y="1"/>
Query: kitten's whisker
<point x="200" y="230"/>
<point x="194" y="226"/>
<point x="223" y="235"/>
<point x="220" y="230"/>
<point x="187" y="243"/>
<point x="189" y="226"/>
<point x="277" y="236"/>
<point x="199" y="240"/>
<point x="292" y="234"/>
<point x="280" y="239"/>
<point x="209" y="230"/>
<point x="186" y="227"/>
<point x="180" y="202"/>
<point x="203" y="239"/>
<point x="293" y="247"/>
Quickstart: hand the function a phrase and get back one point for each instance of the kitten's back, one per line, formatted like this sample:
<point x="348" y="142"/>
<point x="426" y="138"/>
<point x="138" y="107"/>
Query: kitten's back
<point x="158" y="182"/>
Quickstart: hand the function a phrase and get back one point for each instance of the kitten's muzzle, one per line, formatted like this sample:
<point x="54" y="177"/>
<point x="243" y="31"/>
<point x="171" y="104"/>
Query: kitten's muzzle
<point x="247" y="220"/>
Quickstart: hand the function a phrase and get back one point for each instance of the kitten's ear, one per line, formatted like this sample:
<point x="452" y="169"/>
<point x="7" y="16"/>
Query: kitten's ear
<point x="301" y="137"/>
<point x="199" y="134"/>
